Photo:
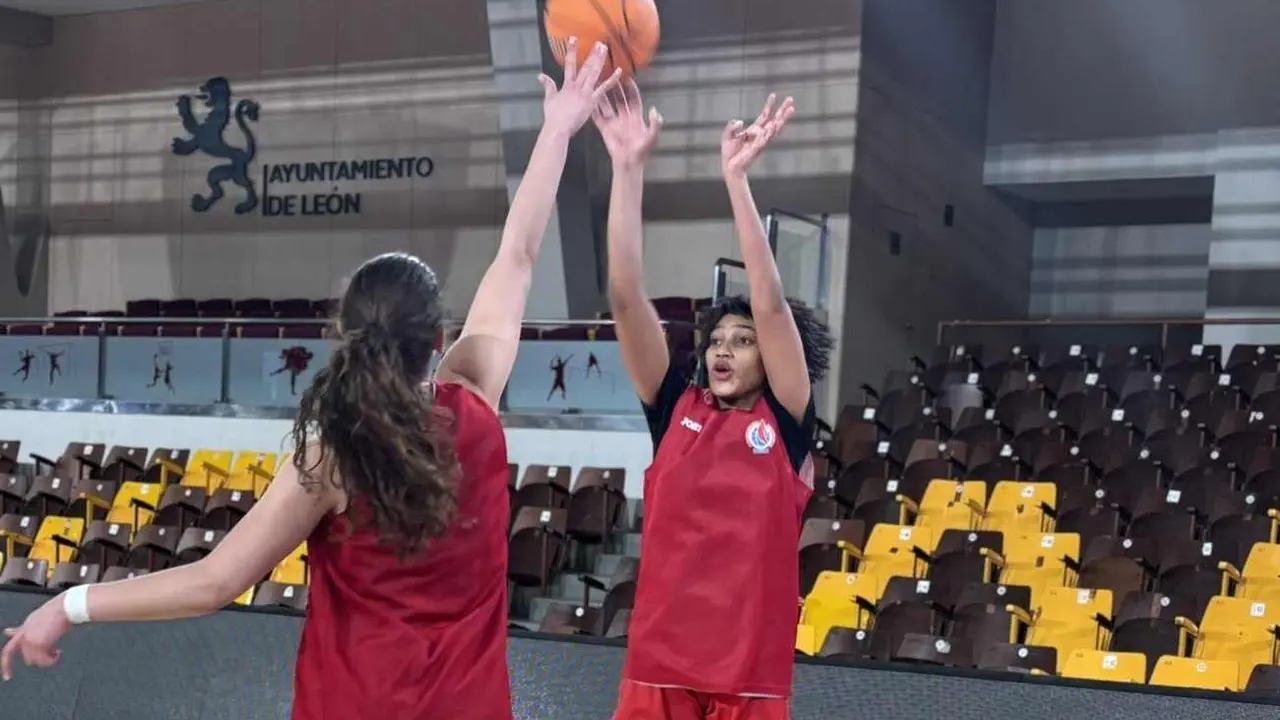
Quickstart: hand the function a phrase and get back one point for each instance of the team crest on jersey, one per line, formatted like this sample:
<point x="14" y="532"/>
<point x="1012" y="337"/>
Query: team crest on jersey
<point x="761" y="437"/>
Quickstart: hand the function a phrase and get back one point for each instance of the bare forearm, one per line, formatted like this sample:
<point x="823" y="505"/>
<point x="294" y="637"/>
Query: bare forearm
<point x="181" y="592"/>
<point x="535" y="199"/>
<point x="626" y="245"/>
<point x="763" y="281"/>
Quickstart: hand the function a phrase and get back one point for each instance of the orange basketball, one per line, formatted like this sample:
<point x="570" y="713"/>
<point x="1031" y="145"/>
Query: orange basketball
<point x="628" y="27"/>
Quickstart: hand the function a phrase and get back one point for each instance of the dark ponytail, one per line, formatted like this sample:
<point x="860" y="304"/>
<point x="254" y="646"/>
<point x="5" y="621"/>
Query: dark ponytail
<point x="381" y="438"/>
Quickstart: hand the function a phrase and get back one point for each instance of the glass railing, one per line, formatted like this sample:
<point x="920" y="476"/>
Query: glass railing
<point x="563" y="366"/>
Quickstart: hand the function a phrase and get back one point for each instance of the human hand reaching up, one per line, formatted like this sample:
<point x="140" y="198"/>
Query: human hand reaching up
<point x="621" y="120"/>
<point x="567" y="108"/>
<point x="741" y="146"/>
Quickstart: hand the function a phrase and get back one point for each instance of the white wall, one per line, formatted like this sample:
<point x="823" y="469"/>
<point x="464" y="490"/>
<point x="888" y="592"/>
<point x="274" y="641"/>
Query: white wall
<point x="47" y="433"/>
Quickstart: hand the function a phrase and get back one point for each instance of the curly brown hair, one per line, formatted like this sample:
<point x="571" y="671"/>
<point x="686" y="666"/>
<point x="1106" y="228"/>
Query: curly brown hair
<point x="381" y="439"/>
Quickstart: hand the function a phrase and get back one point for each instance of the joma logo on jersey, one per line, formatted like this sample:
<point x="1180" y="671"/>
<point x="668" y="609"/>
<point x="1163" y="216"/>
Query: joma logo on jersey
<point x="686" y="422"/>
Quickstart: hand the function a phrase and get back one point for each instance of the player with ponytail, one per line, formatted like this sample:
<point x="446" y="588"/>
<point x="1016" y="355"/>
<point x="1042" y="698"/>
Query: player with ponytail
<point x="397" y="485"/>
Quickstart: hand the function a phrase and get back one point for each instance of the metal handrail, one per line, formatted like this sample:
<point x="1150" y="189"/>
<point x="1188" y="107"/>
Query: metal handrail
<point x="1163" y="323"/>
<point x="92" y="319"/>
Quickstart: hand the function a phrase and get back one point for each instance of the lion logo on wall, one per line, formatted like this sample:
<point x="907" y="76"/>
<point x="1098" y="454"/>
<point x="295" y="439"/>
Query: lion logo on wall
<point x="207" y="137"/>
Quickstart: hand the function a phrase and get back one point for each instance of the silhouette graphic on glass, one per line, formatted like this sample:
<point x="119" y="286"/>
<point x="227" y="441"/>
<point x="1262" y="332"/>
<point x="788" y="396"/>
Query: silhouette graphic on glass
<point x="593" y="363"/>
<point x="295" y="361"/>
<point x="26" y="357"/>
<point x="161" y="374"/>
<point x="55" y="364"/>
<point x="558" y="366"/>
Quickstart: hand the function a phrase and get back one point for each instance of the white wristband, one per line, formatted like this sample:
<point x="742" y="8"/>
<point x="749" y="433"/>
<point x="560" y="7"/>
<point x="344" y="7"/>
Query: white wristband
<point x="76" y="604"/>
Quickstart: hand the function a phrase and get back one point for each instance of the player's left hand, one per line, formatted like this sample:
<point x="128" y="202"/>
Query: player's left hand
<point x="740" y="146"/>
<point x="37" y="639"/>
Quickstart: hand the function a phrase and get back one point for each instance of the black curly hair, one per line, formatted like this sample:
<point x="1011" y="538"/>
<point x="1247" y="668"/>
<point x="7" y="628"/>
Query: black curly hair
<point x="815" y="336"/>
<point x="384" y="441"/>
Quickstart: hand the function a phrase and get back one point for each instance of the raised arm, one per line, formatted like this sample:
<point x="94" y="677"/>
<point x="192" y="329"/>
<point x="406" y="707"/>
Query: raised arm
<point x="485" y="351"/>
<point x="281" y="521"/>
<point x="629" y="138"/>
<point x="776" y="331"/>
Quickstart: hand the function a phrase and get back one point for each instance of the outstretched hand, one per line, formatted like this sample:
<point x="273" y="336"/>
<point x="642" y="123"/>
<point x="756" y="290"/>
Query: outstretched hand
<point x="740" y="146"/>
<point x="621" y="120"/>
<point x="37" y="640"/>
<point x="568" y="107"/>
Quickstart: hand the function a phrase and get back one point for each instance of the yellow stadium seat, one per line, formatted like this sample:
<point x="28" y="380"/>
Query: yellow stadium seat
<point x="135" y="504"/>
<point x="1236" y="629"/>
<point x="1260" y="579"/>
<point x="1183" y="672"/>
<point x="251" y="472"/>
<point x="1019" y="507"/>
<point x="949" y="505"/>
<point x="891" y="552"/>
<point x="57" y="540"/>
<point x="838" y="599"/>
<point x="293" y="569"/>
<point x="1067" y="619"/>
<point x="208" y="469"/>
<point x="246" y="597"/>
<point x="1038" y="560"/>
<point x="1121" y="667"/>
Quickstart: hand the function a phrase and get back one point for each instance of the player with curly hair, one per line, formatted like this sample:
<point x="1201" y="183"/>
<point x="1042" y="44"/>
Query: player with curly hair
<point x="712" y="634"/>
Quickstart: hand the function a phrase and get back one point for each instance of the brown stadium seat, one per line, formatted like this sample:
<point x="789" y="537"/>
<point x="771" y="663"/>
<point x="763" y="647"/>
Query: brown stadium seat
<point x="47" y="495"/>
<point x="619" y="593"/>
<point x="181" y="506"/>
<point x="10" y="452"/>
<point x="78" y="460"/>
<point x="597" y="504"/>
<point x="167" y="466"/>
<point x="225" y="508"/>
<point x="196" y="543"/>
<point x="124" y="463"/>
<point x="70" y="574"/>
<point x="92" y="498"/>
<point x="153" y="547"/>
<point x="22" y="571"/>
<point x="13" y="493"/>
<point x="538" y="547"/>
<point x="18" y="533"/>
<point x="106" y="543"/>
<point x="544" y="486"/>
<point x="819" y="551"/>
<point x="274" y="594"/>
<point x="566" y="619"/>
<point x="113" y="574"/>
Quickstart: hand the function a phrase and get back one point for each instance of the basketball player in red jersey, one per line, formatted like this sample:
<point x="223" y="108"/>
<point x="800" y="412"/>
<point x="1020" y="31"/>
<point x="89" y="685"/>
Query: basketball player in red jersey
<point x="713" y="630"/>
<point x="398" y="487"/>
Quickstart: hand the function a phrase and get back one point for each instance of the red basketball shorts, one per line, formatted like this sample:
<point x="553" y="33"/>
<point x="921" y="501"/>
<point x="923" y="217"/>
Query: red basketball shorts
<point x="645" y="702"/>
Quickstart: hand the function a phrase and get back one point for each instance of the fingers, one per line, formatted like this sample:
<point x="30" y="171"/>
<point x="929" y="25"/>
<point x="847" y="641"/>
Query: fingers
<point x="6" y="655"/>
<point x="631" y="92"/>
<point x="655" y="127"/>
<point x="571" y="61"/>
<point x="590" y="73"/>
<point x="608" y="85"/>
<point x="605" y="109"/>
<point x="767" y="112"/>
<point x="731" y="131"/>
<point x="548" y="87"/>
<point x="625" y="99"/>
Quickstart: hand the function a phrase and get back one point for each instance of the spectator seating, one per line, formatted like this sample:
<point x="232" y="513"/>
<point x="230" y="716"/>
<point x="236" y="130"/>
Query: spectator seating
<point x="1098" y="513"/>
<point x="1106" y="514"/>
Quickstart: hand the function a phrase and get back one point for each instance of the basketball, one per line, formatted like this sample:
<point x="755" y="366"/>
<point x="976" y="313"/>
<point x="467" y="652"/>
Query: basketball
<point x="628" y="27"/>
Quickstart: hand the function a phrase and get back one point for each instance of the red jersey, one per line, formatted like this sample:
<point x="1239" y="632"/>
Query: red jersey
<point x="423" y="638"/>
<point x="716" y="600"/>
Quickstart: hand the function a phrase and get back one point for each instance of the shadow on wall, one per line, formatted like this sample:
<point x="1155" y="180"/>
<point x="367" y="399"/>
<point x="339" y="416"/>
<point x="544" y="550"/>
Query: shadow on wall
<point x="23" y="237"/>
